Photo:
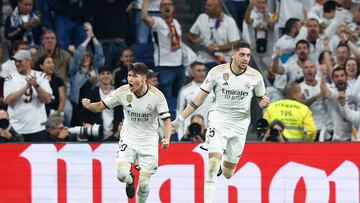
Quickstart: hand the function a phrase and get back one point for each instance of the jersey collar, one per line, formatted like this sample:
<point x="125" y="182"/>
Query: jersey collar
<point x="236" y="73"/>
<point x="147" y="89"/>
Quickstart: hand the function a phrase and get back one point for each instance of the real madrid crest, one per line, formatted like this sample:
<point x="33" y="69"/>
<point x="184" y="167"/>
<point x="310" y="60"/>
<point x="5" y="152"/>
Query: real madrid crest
<point x="226" y="76"/>
<point x="129" y="98"/>
<point x="247" y="85"/>
<point x="148" y="107"/>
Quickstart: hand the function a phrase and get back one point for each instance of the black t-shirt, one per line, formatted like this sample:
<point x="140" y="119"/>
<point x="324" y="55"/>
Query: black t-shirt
<point x="55" y="83"/>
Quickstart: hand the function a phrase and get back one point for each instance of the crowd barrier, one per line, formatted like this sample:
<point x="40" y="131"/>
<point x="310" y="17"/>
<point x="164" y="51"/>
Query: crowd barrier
<point x="76" y="173"/>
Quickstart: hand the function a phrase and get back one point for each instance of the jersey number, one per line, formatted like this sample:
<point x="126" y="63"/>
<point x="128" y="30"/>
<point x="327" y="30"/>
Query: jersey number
<point x="28" y="94"/>
<point x="211" y="132"/>
<point x="123" y="147"/>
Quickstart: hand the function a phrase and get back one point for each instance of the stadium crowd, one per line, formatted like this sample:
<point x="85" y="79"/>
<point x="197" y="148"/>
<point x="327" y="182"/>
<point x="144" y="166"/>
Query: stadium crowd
<point x="56" y="52"/>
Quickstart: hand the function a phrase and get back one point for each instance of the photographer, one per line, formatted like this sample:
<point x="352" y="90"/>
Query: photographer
<point x="7" y="133"/>
<point x="195" y="131"/>
<point x="275" y="132"/>
<point x="57" y="131"/>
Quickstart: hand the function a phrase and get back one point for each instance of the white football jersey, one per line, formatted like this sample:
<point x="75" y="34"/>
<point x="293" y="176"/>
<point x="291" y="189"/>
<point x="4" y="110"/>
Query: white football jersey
<point x="233" y="93"/>
<point x="27" y="114"/>
<point x="141" y="113"/>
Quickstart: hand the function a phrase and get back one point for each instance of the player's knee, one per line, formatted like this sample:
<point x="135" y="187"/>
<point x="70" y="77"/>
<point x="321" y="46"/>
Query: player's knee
<point x="144" y="182"/>
<point x="214" y="166"/>
<point x="122" y="170"/>
<point x="228" y="172"/>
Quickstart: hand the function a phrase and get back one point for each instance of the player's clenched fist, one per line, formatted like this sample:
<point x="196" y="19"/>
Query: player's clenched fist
<point x="264" y="102"/>
<point x="86" y="102"/>
<point x="165" y="143"/>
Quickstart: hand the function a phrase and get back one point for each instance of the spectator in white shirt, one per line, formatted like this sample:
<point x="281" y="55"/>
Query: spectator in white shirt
<point x="214" y="32"/>
<point x="167" y="48"/>
<point x="198" y="73"/>
<point x="26" y="92"/>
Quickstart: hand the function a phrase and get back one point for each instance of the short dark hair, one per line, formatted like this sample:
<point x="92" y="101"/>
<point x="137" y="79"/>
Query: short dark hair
<point x="329" y="6"/>
<point x="138" y="68"/>
<point x="240" y="44"/>
<point x="314" y="19"/>
<point x="105" y="68"/>
<point x="41" y="61"/>
<point x="343" y="44"/>
<point x="126" y="49"/>
<point x="277" y="122"/>
<point x="302" y="41"/>
<point x="321" y="56"/>
<point x="196" y="63"/>
<point x="196" y="115"/>
<point x="16" y="44"/>
<point x="336" y="70"/>
<point x="290" y="24"/>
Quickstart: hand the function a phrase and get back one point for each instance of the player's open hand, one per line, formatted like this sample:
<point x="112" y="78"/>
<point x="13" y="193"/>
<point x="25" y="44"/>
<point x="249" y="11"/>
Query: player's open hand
<point x="86" y="102"/>
<point x="165" y="143"/>
<point x="264" y="102"/>
<point x="175" y="124"/>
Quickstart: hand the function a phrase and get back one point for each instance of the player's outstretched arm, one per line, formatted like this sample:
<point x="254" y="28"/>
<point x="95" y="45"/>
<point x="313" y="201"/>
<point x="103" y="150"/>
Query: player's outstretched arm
<point x="167" y="133"/>
<point x="94" y="107"/>
<point x="196" y="102"/>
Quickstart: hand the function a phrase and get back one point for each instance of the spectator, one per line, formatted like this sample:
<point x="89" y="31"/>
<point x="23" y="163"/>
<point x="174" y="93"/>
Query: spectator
<point x="342" y="54"/>
<point x="120" y="73"/>
<point x="61" y="58"/>
<point x="9" y="66"/>
<point x="152" y="78"/>
<point x="315" y="38"/>
<point x="70" y="16"/>
<point x="214" y="32"/>
<point x="142" y="28"/>
<point x="46" y="64"/>
<point x="7" y="132"/>
<point x="275" y="132"/>
<point x="109" y="119"/>
<point x="292" y="34"/>
<point x="261" y="32"/>
<point x="112" y="24"/>
<point x="286" y="10"/>
<point x="310" y="89"/>
<point x="167" y="48"/>
<point x="57" y="131"/>
<point x="198" y="73"/>
<point x="195" y="132"/>
<point x="83" y="72"/>
<point x="318" y="9"/>
<point x="291" y="71"/>
<point x="297" y="117"/>
<point x="24" y="24"/>
<point x="342" y="127"/>
<point x="351" y="70"/>
<point x="26" y="92"/>
<point x="350" y="115"/>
